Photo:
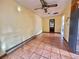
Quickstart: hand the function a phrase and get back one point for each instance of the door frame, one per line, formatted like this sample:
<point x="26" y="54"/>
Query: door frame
<point x="54" y="25"/>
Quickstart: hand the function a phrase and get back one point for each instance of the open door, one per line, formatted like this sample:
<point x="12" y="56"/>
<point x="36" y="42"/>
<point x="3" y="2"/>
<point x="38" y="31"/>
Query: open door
<point x="52" y="25"/>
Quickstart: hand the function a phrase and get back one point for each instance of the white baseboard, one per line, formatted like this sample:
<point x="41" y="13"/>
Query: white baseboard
<point x="39" y="32"/>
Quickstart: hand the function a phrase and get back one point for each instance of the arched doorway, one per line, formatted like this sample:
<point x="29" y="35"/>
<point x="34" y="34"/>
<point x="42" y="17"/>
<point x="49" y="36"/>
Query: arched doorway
<point x="52" y="25"/>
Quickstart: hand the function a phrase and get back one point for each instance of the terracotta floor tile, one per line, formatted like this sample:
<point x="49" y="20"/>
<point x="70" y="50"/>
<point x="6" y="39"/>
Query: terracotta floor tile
<point x="35" y="56"/>
<point x="74" y="56"/>
<point x="46" y="45"/>
<point x="5" y="57"/>
<point x="36" y="42"/>
<point x="27" y="54"/>
<point x="41" y="46"/>
<point x="55" y="56"/>
<point x="27" y="47"/>
<point x="46" y="54"/>
<point x="43" y="58"/>
<point x="65" y="53"/>
<point x="39" y="51"/>
<point x="14" y="56"/>
<point x="32" y="44"/>
<point x="17" y="53"/>
<point x="66" y="57"/>
<point x="55" y="50"/>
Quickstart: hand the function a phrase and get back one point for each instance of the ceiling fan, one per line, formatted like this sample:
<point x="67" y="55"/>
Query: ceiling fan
<point x="45" y="6"/>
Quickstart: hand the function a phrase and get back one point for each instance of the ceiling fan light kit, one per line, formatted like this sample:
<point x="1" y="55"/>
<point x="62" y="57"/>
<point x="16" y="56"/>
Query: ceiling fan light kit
<point x="55" y="13"/>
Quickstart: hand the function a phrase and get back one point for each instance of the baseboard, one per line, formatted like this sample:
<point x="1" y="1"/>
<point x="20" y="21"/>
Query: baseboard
<point x="52" y="32"/>
<point x="65" y="40"/>
<point x="57" y="32"/>
<point x="18" y="46"/>
<point x="67" y="44"/>
<point x="46" y="32"/>
<point x="39" y="32"/>
<point x="22" y="43"/>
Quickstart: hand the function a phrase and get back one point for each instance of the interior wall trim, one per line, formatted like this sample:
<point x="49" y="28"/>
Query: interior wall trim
<point x="52" y="32"/>
<point x="67" y="44"/>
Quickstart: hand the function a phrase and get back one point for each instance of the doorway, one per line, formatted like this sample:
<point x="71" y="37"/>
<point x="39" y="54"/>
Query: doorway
<point x="52" y="25"/>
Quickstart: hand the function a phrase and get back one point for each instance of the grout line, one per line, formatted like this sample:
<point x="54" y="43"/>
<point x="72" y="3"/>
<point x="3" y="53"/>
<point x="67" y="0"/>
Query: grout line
<point x="60" y="54"/>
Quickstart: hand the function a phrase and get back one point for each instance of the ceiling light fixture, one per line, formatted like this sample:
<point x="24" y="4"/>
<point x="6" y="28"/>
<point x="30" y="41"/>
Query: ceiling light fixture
<point x="19" y="9"/>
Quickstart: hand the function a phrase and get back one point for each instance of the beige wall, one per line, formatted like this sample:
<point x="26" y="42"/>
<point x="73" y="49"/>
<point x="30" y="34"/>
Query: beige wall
<point x="16" y="26"/>
<point x="45" y="24"/>
<point x="57" y="23"/>
<point x="66" y="13"/>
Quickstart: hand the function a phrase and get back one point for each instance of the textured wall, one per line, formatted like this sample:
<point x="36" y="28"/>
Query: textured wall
<point x="16" y="26"/>
<point x="67" y="14"/>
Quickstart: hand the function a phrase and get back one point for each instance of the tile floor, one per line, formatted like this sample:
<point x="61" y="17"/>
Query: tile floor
<point x="44" y="46"/>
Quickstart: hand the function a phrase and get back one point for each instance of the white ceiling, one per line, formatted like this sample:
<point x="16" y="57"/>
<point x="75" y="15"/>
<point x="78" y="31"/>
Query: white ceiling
<point x="32" y="4"/>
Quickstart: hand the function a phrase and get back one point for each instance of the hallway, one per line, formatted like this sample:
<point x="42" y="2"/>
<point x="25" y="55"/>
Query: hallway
<point x="44" y="46"/>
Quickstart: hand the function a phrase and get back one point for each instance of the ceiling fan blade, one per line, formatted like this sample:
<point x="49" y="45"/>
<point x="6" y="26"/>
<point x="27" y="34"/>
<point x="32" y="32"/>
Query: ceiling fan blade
<point x="53" y="5"/>
<point x="37" y="8"/>
<point x="44" y="3"/>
